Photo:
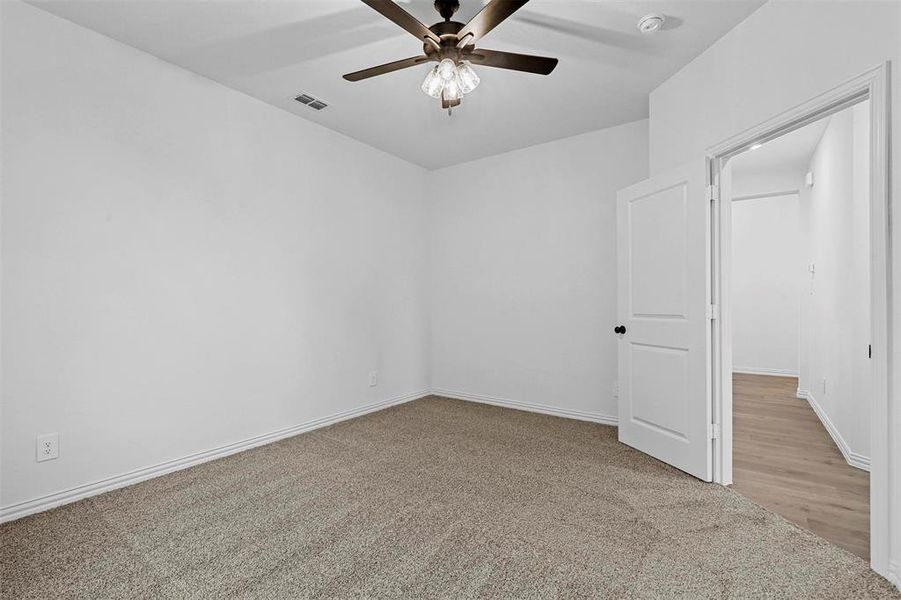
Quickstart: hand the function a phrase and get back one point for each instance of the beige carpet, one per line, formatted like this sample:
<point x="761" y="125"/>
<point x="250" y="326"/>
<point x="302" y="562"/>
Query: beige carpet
<point x="433" y="499"/>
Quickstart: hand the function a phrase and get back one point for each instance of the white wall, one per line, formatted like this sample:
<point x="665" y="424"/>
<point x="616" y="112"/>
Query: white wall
<point x="183" y="266"/>
<point x="523" y="250"/>
<point x="766" y="284"/>
<point x="837" y="306"/>
<point x="782" y="55"/>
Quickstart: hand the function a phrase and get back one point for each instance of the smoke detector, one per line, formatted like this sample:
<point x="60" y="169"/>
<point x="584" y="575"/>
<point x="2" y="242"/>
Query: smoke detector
<point x="651" y="23"/>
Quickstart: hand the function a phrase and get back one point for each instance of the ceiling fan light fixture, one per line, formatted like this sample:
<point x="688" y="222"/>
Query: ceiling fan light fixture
<point x="469" y="79"/>
<point x="433" y="84"/>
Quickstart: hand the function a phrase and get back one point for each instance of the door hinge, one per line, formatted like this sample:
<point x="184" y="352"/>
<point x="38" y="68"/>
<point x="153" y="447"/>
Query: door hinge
<point x="713" y="311"/>
<point x="714" y="431"/>
<point x="713" y="193"/>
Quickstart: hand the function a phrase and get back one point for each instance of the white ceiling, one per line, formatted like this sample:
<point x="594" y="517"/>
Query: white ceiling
<point x="793" y="149"/>
<point x="274" y="49"/>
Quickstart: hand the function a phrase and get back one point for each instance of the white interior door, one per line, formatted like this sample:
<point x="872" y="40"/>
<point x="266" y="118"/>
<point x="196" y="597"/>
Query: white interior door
<point x="663" y="233"/>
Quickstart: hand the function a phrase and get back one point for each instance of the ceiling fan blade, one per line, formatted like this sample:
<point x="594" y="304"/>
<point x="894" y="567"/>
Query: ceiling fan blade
<point x="488" y="18"/>
<point x="395" y="13"/>
<point x="516" y="62"/>
<point x="386" y="68"/>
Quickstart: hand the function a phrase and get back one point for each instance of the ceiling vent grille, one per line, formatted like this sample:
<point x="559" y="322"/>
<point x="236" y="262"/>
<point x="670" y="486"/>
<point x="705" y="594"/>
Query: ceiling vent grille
<point x="311" y="102"/>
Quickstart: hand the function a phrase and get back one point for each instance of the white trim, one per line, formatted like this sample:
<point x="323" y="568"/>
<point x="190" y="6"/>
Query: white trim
<point x="894" y="574"/>
<point x="872" y="85"/>
<point x="567" y="413"/>
<point x="28" y="507"/>
<point x="766" y="371"/>
<point x="802" y="394"/>
<point x="854" y="459"/>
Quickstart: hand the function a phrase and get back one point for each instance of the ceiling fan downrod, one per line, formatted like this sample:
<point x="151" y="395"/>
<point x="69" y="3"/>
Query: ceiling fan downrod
<point x="447" y="8"/>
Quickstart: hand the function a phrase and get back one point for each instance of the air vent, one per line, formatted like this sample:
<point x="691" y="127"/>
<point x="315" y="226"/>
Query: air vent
<point x="311" y="102"/>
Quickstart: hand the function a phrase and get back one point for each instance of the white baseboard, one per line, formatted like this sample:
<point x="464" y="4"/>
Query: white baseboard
<point x="28" y="507"/>
<point x="894" y="574"/>
<point x="544" y="409"/>
<point x="802" y="394"/>
<point x="855" y="460"/>
<point x="36" y="505"/>
<point x="766" y="371"/>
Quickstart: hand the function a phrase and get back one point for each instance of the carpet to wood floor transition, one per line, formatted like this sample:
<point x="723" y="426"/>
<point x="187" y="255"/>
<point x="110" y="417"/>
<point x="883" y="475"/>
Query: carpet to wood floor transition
<point x="435" y="498"/>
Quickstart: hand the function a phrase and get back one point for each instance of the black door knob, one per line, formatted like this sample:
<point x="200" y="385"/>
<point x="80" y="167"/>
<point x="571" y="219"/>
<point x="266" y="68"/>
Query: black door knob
<point x="619" y="329"/>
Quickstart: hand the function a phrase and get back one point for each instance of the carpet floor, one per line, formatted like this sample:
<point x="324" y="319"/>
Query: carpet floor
<point x="435" y="498"/>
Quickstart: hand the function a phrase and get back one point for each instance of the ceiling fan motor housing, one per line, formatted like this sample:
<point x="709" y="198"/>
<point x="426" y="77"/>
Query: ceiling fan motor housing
<point x="447" y="31"/>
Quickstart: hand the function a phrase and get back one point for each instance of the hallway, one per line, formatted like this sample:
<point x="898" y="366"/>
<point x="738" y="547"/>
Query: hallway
<point x="784" y="460"/>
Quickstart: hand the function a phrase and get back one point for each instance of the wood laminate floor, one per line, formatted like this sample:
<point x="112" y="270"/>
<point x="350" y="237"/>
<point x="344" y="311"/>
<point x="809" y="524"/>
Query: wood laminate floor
<point x="785" y="460"/>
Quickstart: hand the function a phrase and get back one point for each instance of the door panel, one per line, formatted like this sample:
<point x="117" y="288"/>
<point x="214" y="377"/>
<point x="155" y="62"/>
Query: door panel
<point x="663" y="229"/>
<point x="660" y="388"/>
<point x="658" y="221"/>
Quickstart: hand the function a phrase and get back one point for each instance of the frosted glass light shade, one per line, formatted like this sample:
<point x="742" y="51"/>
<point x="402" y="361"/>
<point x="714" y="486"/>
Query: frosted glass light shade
<point x="433" y="84"/>
<point x="452" y="89"/>
<point x="469" y="80"/>
<point x="447" y="69"/>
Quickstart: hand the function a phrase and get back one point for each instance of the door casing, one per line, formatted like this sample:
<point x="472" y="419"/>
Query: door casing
<point x="874" y="86"/>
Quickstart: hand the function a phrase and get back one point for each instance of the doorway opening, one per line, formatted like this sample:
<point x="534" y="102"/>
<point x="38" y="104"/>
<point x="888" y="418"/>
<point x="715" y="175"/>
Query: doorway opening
<point x="800" y="277"/>
<point x="801" y="326"/>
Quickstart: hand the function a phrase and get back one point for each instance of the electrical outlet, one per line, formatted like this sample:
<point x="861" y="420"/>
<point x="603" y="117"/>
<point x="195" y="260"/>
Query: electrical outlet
<point x="373" y="378"/>
<point x="616" y="389"/>
<point x="47" y="447"/>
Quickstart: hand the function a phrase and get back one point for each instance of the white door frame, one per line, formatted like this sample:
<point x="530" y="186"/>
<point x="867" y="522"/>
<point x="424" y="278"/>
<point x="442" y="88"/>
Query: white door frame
<point x="872" y="85"/>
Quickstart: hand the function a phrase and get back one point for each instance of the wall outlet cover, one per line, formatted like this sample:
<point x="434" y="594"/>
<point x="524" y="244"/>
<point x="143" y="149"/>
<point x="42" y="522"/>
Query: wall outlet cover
<point x="47" y="447"/>
<point x="373" y="378"/>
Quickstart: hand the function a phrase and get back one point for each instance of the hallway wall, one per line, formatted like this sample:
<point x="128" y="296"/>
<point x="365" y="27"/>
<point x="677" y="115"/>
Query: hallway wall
<point x="837" y="374"/>
<point x="767" y="272"/>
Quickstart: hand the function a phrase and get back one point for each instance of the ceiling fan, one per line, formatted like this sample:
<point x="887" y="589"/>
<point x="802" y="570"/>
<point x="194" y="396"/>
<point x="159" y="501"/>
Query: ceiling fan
<point x="452" y="45"/>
